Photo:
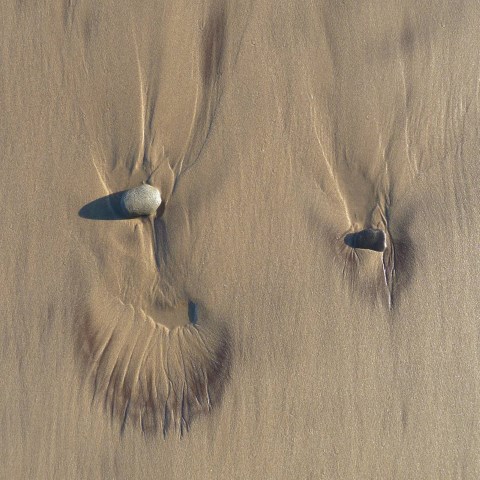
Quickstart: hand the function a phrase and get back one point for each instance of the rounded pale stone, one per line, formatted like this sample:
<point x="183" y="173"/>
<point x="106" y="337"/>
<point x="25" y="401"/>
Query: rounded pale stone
<point x="368" y="239"/>
<point x="141" y="200"/>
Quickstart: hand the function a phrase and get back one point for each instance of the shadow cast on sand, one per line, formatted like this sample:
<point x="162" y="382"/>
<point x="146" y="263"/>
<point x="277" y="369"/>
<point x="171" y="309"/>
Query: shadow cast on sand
<point x="104" y="208"/>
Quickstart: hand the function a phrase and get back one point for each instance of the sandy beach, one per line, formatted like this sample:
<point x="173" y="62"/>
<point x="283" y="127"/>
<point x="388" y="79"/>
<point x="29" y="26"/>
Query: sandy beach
<point x="240" y="332"/>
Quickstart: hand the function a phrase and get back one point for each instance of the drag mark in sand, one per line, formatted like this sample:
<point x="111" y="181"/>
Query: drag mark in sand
<point x="154" y="358"/>
<point x="313" y="115"/>
<point x="408" y="150"/>
<point x="388" y="259"/>
<point x="209" y="89"/>
<point x="157" y="368"/>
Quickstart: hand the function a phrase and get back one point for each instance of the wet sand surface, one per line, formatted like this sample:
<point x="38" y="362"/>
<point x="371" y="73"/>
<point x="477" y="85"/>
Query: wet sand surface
<point x="237" y="334"/>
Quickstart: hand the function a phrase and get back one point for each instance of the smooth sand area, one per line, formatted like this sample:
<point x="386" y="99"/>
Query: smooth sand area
<point x="236" y="334"/>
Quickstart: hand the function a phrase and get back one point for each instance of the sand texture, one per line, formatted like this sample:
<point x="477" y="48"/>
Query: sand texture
<point x="305" y="302"/>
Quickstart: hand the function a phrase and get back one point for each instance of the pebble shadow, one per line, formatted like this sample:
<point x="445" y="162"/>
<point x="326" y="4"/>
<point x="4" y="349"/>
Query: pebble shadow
<point x="104" y="208"/>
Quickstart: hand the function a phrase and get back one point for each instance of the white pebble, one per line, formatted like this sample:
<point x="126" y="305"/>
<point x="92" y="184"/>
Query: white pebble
<point x="141" y="200"/>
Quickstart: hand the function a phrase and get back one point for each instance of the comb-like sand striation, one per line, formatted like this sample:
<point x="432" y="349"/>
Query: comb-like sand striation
<point x="149" y="375"/>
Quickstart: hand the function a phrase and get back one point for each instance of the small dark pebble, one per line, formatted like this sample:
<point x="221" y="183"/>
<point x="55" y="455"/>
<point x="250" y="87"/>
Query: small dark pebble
<point x="368" y="239"/>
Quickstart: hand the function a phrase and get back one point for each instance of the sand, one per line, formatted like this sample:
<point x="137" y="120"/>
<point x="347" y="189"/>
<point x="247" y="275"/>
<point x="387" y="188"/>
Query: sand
<point x="235" y="335"/>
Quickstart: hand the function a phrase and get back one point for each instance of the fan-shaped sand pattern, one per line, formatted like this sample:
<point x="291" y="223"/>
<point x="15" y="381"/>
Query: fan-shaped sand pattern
<point x="150" y="375"/>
